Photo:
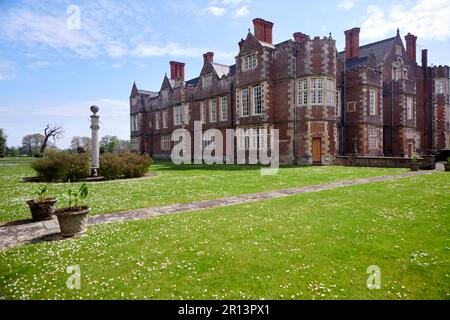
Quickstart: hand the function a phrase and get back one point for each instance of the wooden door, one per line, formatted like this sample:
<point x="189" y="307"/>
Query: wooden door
<point x="317" y="150"/>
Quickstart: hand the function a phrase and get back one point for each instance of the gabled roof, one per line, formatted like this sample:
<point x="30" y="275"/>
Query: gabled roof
<point x="267" y="45"/>
<point x="221" y="69"/>
<point x="380" y="49"/>
<point x="151" y="94"/>
<point x="354" y="63"/>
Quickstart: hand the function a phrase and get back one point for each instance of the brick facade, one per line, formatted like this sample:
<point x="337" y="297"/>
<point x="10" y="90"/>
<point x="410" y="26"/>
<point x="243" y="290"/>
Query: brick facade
<point x="372" y="100"/>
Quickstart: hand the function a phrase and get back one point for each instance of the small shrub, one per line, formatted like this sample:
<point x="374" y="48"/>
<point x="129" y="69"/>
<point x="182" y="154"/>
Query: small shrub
<point x="111" y="166"/>
<point x="130" y="165"/>
<point x="60" y="166"/>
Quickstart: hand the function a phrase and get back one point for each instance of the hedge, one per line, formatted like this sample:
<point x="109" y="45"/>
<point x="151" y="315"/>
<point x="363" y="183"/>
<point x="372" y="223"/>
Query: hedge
<point x="62" y="166"/>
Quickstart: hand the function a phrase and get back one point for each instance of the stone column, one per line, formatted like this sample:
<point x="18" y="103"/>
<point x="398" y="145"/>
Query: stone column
<point x="95" y="157"/>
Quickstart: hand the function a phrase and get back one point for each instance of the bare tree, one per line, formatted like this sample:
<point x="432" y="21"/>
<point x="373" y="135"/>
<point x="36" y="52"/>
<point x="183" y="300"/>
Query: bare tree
<point x="54" y="132"/>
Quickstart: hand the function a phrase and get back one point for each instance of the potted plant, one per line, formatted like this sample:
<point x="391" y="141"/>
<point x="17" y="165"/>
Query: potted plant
<point x="447" y="165"/>
<point x="415" y="163"/>
<point x="43" y="207"/>
<point x="73" y="219"/>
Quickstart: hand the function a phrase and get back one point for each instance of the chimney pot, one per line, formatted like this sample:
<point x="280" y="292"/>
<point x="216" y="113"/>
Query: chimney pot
<point x="298" y="36"/>
<point x="209" y="56"/>
<point x="425" y="58"/>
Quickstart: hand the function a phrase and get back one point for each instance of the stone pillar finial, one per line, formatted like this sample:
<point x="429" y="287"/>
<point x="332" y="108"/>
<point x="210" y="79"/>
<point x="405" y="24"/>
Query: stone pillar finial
<point x="95" y="156"/>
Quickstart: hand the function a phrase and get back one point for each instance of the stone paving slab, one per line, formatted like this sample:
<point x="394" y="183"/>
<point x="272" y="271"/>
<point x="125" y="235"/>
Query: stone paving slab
<point x="21" y="234"/>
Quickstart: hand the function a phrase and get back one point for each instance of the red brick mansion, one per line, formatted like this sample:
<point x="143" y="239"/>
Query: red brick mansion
<point x="373" y="100"/>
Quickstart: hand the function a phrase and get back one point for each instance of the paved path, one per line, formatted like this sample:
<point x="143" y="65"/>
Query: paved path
<point x="20" y="234"/>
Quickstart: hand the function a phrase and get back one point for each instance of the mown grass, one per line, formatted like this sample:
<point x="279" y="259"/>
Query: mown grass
<point x="173" y="184"/>
<point x="310" y="246"/>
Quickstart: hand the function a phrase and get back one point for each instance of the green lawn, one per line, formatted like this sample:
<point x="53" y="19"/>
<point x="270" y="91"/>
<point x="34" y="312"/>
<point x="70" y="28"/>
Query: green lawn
<point x="310" y="246"/>
<point x="172" y="184"/>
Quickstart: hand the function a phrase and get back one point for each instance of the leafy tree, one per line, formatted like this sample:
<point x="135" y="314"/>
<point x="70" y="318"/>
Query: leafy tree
<point x="3" y="138"/>
<point x="109" y="143"/>
<point x="12" y="152"/>
<point x="81" y="143"/>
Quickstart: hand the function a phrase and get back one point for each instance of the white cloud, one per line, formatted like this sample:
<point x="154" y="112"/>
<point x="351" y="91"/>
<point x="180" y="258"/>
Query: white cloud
<point x="234" y="2"/>
<point x="241" y="12"/>
<point x="176" y="50"/>
<point x="223" y="7"/>
<point x="6" y="70"/>
<point x="428" y="19"/>
<point x="347" y="4"/>
<point x="216" y="11"/>
<point x="117" y="66"/>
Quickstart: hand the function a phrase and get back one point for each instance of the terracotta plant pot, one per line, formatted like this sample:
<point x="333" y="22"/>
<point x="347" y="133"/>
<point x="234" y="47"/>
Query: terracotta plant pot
<point x="73" y="223"/>
<point x="415" y="167"/>
<point x="447" y="167"/>
<point x="41" y="211"/>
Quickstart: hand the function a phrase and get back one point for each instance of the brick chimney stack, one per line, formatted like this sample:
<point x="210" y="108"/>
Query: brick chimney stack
<point x="352" y="43"/>
<point x="177" y="70"/>
<point x="424" y="58"/>
<point x="209" y="56"/>
<point x="299" y="37"/>
<point x="411" y="47"/>
<point x="263" y="30"/>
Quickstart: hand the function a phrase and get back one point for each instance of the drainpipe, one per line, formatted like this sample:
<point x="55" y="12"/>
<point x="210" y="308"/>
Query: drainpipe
<point x="295" y="105"/>
<point x="392" y="117"/>
<point x="344" y="111"/>
<point x="193" y="122"/>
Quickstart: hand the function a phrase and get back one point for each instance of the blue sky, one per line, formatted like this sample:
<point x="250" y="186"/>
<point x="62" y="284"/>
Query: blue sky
<point x="50" y="73"/>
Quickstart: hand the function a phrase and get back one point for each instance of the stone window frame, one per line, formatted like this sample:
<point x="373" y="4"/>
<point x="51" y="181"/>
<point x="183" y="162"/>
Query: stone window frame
<point x="165" y="94"/>
<point x="178" y="115"/>
<point x="245" y="103"/>
<point x="330" y="92"/>
<point x="373" y="102"/>
<point x="203" y="112"/>
<point x="257" y="100"/>
<point x="207" y="80"/>
<point x="213" y="110"/>
<point x="302" y="86"/>
<point x="316" y="91"/>
<point x="165" y="119"/>
<point x="165" y="142"/>
<point x="409" y="108"/>
<point x="249" y="62"/>
<point x="224" y="108"/>
<point x="253" y="138"/>
<point x="439" y="86"/>
<point x="372" y="137"/>
<point x="157" y="121"/>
